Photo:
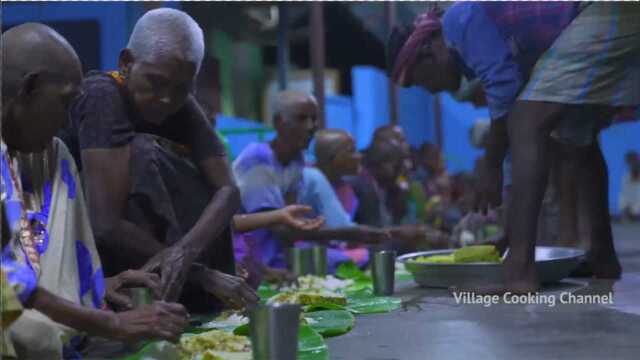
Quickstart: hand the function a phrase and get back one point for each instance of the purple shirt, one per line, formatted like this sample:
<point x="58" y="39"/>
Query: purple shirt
<point x="264" y="184"/>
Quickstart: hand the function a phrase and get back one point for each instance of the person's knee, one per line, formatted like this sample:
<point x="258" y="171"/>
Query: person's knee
<point x="35" y="336"/>
<point x="530" y="118"/>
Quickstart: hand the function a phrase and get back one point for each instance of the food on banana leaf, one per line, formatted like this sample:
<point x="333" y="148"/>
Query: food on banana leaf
<point x="308" y="297"/>
<point x="208" y="345"/>
<point x="228" y="319"/>
<point x="328" y="283"/>
<point x="476" y="253"/>
<point x="467" y="254"/>
<point x="209" y="355"/>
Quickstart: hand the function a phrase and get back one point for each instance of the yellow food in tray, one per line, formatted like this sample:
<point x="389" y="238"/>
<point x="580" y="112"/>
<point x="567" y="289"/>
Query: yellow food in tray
<point x="476" y="253"/>
<point x="211" y="345"/>
<point x="434" y="259"/>
<point x="468" y="254"/>
<point x="308" y="297"/>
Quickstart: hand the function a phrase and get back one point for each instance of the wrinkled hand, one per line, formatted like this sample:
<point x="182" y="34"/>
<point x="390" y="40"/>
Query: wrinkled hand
<point x="294" y="216"/>
<point x="489" y="188"/>
<point x="279" y="276"/>
<point x="158" y="321"/>
<point x="232" y="290"/>
<point x="114" y="286"/>
<point x="173" y="265"/>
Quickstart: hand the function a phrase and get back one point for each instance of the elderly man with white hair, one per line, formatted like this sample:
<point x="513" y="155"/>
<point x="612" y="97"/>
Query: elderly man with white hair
<point x="161" y="193"/>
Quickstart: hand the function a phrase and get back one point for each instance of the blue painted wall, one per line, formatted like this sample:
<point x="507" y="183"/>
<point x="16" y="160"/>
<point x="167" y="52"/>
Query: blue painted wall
<point x="237" y="142"/>
<point x="339" y="113"/>
<point x="416" y="116"/>
<point x="372" y="110"/>
<point x="116" y="20"/>
<point x="457" y="120"/>
<point x="370" y="102"/>
<point x="616" y="141"/>
<point x="361" y="114"/>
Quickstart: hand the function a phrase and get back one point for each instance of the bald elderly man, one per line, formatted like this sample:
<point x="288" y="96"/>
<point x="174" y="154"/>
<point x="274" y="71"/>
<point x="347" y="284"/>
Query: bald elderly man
<point x="269" y="176"/>
<point x="324" y="190"/>
<point x="49" y="256"/>
<point x="161" y="194"/>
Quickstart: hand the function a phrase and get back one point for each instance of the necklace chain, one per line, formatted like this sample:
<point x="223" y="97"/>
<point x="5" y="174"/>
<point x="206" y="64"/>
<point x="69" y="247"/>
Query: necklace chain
<point x="26" y="235"/>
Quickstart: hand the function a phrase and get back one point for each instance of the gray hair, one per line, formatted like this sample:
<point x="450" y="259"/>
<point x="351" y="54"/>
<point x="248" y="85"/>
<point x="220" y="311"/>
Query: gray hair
<point x="285" y="99"/>
<point x="160" y="31"/>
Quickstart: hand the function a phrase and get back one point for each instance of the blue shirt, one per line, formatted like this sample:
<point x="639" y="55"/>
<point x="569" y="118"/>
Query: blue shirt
<point x="318" y="193"/>
<point x="500" y="42"/>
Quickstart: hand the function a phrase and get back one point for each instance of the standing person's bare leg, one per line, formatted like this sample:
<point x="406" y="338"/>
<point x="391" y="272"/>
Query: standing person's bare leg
<point x="529" y="127"/>
<point x="596" y="221"/>
<point x="530" y="124"/>
<point x="568" y="176"/>
<point x="565" y="176"/>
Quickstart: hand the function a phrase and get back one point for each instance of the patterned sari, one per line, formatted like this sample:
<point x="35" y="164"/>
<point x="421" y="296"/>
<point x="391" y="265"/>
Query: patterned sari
<point x="45" y="189"/>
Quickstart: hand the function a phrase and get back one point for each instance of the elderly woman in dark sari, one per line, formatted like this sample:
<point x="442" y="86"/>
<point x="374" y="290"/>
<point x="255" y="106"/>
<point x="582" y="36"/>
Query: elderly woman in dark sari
<point x="160" y="191"/>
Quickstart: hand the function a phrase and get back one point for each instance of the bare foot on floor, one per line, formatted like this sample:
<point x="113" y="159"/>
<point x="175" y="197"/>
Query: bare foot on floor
<point x="583" y="270"/>
<point x="604" y="266"/>
<point x="520" y="277"/>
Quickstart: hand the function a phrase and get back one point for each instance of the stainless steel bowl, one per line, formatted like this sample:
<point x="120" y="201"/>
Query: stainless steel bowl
<point x="553" y="264"/>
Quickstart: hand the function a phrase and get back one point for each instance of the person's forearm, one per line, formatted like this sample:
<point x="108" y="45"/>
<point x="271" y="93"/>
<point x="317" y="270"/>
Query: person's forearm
<point x="497" y="142"/>
<point x="250" y="222"/>
<point x="215" y="218"/>
<point x="348" y="234"/>
<point x="128" y="238"/>
<point x="85" y="319"/>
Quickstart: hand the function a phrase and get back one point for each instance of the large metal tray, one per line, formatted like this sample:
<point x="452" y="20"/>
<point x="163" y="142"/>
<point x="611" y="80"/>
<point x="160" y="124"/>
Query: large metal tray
<point x="553" y="264"/>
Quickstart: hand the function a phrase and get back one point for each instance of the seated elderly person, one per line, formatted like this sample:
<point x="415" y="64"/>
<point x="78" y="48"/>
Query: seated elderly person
<point x="159" y="186"/>
<point x="325" y="191"/>
<point x="49" y="256"/>
<point x="269" y="176"/>
<point x="383" y="161"/>
<point x="399" y="192"/>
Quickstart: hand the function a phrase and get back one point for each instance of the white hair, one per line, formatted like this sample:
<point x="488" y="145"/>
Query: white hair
<point x="285" y="99"/>
<point x="161" y="31"/>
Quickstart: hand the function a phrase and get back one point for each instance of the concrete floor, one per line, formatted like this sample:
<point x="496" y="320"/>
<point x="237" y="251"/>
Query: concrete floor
<point x="433" y="326"/>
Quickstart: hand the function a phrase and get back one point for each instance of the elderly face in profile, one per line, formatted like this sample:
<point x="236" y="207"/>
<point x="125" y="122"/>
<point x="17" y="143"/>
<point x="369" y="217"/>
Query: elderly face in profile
<point x="295" y="119"/>
<point x="41" y="77"/>
<point x="161" y="62"/>
<point x="336" y="150"/>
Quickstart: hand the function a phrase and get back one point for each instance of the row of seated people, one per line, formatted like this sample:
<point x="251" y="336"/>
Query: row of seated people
<point x="117" y="179"/>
